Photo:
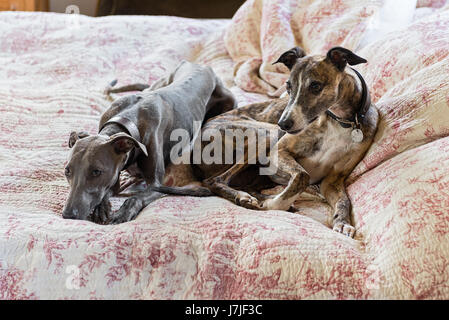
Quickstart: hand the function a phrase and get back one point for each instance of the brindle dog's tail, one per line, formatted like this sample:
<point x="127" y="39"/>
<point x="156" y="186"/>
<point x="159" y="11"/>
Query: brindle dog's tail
<point x="190" y="190"/>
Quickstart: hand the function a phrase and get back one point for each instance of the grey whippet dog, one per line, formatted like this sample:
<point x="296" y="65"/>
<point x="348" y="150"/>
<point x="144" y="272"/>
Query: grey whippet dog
<point x="136" y="130"/>
<point x="328" y="123"/>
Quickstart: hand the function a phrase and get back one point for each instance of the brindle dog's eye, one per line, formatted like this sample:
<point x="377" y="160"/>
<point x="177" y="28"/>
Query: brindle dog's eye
<point x="96" y="173"/>
<point x="289" y="86"/>
<point x="67" y="171"/>
<point x="316" y="87"/>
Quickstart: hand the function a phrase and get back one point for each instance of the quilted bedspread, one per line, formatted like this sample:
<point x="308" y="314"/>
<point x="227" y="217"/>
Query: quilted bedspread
<point x="53" y="70"/>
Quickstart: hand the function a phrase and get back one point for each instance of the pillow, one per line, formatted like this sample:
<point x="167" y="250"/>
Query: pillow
<point x="261" y="31"/>
<point x="410" y="87"/>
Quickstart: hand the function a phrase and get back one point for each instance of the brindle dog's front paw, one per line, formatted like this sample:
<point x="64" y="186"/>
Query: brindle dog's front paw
<point x="275" y="204"/>
<point x="247" y="201"/>
<point x="345" y="228"/>
<point x="127" y="212"/>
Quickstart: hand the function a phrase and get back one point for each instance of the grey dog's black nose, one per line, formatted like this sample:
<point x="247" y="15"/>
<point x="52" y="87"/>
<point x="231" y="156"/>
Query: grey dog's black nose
<point x="285" y="124"/>
<point x="70" y="214"/>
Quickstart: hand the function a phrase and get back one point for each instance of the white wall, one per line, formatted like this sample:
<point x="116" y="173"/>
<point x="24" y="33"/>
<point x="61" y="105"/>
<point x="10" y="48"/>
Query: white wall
<point x="87" y="7"/>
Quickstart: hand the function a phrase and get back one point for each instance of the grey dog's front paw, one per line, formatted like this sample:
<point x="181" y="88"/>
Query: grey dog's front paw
<point x="101" y="213"/>
<point x="127" y="212"/>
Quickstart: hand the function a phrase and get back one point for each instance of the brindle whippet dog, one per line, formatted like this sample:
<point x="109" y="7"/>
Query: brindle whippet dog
<point x="328" y="123"/>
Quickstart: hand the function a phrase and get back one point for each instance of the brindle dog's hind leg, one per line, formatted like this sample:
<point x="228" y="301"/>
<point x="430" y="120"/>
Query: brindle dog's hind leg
<point x="333" y="189"/>
<point x="220" y="186"/>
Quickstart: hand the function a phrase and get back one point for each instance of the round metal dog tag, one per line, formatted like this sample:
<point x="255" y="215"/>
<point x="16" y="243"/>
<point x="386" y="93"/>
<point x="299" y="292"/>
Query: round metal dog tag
<point x="357" y="135"/>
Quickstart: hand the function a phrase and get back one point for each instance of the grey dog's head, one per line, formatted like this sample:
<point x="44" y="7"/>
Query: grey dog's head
<point x="93" y="170"/>
<point x="316" y="84"/>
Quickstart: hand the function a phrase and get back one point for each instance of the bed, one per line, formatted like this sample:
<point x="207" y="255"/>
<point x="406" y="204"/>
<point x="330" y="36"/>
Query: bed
<point x="53" y="70"/>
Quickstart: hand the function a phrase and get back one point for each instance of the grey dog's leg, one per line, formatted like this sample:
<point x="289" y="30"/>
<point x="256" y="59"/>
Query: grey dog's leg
<point x="153" y="168"/>
<point x="101" y="214"/>
<point x="132" y="206"/>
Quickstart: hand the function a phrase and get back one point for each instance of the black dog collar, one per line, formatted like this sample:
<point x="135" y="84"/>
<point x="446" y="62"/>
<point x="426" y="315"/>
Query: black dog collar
<point x="365" y="103"/>
<point x="133" y="131"/>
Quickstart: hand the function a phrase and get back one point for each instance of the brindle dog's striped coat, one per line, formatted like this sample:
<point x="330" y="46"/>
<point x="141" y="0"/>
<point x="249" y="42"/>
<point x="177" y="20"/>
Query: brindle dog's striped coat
<point x="316" y="149"/>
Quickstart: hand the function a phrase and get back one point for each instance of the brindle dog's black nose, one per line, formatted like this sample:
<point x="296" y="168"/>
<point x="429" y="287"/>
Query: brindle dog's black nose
<point x="285" y="124"/>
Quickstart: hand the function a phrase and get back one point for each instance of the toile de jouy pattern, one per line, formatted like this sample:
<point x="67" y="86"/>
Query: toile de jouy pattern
<point x="53" y="69"/>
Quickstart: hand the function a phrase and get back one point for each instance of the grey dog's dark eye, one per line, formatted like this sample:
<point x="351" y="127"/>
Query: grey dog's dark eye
<point x="67" y="171"/>
<point x="96" y="173"/>
<point x="316" y="87"/>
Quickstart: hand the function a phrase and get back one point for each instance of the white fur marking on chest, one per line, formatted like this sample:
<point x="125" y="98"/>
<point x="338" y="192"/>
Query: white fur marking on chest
<point x="336" y="143"/>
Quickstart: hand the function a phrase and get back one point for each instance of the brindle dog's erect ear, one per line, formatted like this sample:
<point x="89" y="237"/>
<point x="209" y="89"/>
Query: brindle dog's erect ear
<point x="75" y="136"/>
<point x="123" y="143"/>
<point x="290" y="57"/>
<point x="340" y="56"/>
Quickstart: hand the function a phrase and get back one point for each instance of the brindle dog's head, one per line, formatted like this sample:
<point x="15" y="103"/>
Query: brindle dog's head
<point x="93" y="170"/>
<point x="316" y="84"/>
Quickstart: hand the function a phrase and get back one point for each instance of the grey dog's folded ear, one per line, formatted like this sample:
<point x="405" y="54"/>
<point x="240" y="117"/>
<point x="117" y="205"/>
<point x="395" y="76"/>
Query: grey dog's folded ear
<point x="75" y="136"/>
<point x="123" y="143"/>
<point x="289" y="58"/>
<point x="340" y="57"/>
